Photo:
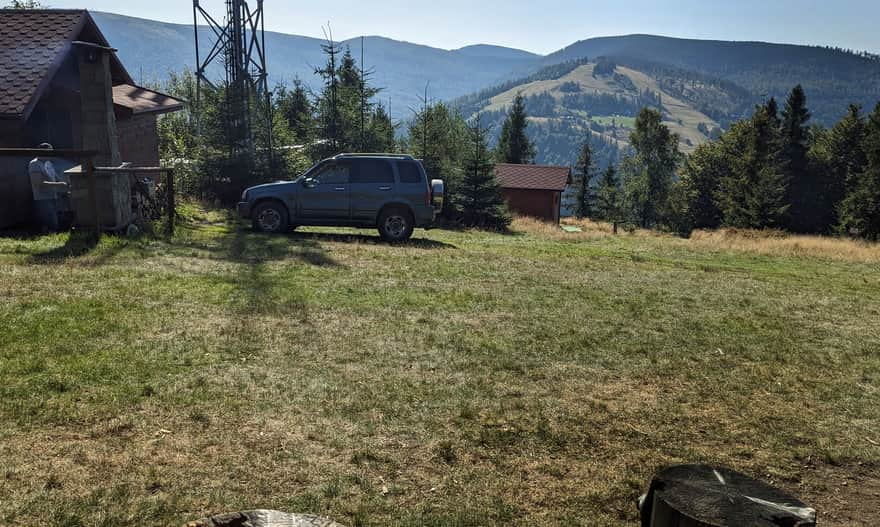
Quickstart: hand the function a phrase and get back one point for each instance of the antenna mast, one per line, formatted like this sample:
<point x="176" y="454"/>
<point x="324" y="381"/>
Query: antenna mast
<point x="239" y="44"/>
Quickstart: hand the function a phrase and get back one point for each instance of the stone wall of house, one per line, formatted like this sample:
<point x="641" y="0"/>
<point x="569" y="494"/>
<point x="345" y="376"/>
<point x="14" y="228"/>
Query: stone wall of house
<point x="139" y="140"/>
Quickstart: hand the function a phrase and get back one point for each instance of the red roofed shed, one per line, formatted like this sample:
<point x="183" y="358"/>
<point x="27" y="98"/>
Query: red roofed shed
<point x="534" y="190"/>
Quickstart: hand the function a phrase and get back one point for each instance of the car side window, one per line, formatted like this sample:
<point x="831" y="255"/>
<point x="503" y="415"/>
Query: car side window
<point x="337" y="174"/>
<point x="372" y="171"/>
<point x="409" y="172"/>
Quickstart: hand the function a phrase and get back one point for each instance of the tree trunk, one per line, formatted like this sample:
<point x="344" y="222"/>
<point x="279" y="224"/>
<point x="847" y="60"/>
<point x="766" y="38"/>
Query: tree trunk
<point x="703" y="496"/>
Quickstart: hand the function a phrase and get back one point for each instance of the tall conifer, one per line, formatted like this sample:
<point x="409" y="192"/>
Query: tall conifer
<point x="514" y="145"/>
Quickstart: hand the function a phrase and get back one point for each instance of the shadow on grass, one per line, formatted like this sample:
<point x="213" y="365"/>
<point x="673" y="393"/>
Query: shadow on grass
<point x="238" y="245"/>
<point x="77" y="245"/>
<point x="417" y="243"/>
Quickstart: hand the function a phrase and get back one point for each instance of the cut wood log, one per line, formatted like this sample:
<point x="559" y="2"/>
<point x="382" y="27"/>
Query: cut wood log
<point x="264" y="518"/>
<point x="704" y="496"/>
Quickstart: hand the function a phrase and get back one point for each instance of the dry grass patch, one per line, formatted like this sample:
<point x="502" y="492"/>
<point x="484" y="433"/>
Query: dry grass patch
<point x="778" y="243"/>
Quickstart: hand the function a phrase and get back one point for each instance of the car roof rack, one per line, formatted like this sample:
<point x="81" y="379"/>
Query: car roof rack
<point x="376" y="154"/>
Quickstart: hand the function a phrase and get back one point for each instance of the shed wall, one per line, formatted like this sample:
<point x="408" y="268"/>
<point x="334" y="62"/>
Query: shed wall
<point x="541" y="204"/>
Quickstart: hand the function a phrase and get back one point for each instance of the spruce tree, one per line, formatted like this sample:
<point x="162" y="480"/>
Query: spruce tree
<point x="329" y="113"/>
<point x="514" y="145"/>
<point x="296" y="110"/>
<point x="700" y="178"/>
<point x="650" y="171"/>
<point x="752" y="193"/>
<point x="609" y="197"/>
<point x="583" y="198"/>
<point x="772" y="108"/>
<point x="860" y="211"/>
<point x="478" y="199"/>
<point x="438" y="136"/>
<point x="835" y="158"/>
<point x="804" y="190"/>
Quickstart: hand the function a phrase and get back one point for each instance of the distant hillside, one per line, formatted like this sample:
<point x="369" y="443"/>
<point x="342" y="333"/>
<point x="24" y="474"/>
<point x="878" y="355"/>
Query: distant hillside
<point x="150" y="50"/>
<point x="600" y="98"/>
<point x="701" y="85"/>
<point x="832" y="78"/>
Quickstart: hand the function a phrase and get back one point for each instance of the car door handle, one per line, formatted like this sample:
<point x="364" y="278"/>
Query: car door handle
<point x="339" y="189"/>
<point x="384" y="188"/>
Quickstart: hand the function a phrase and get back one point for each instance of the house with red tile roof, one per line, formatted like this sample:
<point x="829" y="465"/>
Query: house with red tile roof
<point x="42" y="78"/>
<point x="534" y="190"/>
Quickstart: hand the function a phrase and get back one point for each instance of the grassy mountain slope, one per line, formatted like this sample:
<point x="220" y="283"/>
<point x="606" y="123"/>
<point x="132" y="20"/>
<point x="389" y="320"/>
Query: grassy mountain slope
<point x="600" y="99"/>
<point x="831" y="77"/>
<point x="627" y="83"/>
<point x="152" y="49"/>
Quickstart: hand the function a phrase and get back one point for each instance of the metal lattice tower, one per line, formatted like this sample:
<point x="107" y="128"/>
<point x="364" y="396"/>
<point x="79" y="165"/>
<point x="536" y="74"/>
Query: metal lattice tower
<point x="240" y="45"/>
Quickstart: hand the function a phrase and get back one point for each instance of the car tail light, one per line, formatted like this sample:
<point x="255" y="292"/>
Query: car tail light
<point x="428" y="197"/>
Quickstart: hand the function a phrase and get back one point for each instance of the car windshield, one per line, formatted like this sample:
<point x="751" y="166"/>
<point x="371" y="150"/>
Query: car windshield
<point x="311" y="171"/>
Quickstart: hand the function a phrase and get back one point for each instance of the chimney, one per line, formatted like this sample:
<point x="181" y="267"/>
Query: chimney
<point x="96" y="91"/>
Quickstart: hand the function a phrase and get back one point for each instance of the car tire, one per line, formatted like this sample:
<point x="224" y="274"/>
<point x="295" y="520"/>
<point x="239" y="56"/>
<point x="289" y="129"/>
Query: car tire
<point x="396" y="225"/>
<point x="270" y="217"/>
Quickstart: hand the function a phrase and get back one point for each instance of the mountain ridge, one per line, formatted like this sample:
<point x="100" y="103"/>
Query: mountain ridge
<point x="832" y="77"/>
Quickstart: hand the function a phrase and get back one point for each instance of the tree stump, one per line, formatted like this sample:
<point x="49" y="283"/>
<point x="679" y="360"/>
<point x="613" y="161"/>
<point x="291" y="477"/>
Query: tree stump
<point x="263" y="518"/>
<point x="704" y="496"/>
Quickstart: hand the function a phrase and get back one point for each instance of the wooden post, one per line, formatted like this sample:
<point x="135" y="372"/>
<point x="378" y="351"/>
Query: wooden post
<point x="704" y="496"/>
<point x="170" y="204"/>
<point x="89" y="170"/>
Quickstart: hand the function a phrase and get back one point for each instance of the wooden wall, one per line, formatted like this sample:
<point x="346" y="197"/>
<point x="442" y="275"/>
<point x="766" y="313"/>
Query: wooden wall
<point x="541" y="204"/>
<point x="16" y="201"/>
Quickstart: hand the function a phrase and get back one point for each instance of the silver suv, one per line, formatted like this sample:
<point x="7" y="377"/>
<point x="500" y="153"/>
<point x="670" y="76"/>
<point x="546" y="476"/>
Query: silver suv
<point x="388" y="191"/>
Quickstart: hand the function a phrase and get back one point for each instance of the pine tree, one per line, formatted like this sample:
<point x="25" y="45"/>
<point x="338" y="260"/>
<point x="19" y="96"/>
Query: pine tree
<point x="478" y="199"/>
<point x="583" y="200"/>
<point x="649" y="173"/>
<point x="772" y="108"/>
<point x="329" y="109"/>
<point x="752" y="194"/>
<point x="609" y="197"/>
<point x="347" y="117"/>
<point x="380" y="131"/>
<point x="836" y="158"/>
<point x="700" y="178"/>
<point x="295" y="109"/>
<point x="860" y="211"/>
<point x="438" y="136"/>
<point x="514" y="145"/>
<point x="804" y="190"/>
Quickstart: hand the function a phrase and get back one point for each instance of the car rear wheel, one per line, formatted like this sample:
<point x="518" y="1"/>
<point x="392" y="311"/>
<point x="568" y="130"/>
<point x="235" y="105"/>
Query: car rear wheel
<point x="270" y="217"/>
<point x="396" y="225"/>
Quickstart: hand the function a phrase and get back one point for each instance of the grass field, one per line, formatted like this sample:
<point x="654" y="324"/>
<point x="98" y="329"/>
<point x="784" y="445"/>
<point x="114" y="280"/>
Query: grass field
<point x="467" y="379"/>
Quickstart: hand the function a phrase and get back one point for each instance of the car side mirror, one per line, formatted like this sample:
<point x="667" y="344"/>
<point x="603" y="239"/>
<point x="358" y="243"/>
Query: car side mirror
<point x="310" y="183"/>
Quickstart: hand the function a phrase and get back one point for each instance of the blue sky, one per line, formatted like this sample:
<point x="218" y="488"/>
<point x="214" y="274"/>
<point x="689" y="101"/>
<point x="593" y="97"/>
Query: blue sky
<point x="548" y="25"/>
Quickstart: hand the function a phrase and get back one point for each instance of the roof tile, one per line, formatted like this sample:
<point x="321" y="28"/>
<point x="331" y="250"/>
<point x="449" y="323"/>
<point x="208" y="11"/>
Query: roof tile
<point x="30" y="40"/>
<point x="533" y="177"/>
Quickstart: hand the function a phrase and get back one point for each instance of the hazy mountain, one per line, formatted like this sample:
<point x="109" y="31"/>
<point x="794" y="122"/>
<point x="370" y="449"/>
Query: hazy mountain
<point x="701" y="85"/>
<point x="832" y="78"/>
<point x="151" y="49"/>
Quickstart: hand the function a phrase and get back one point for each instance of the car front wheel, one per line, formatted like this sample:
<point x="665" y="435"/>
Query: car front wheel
<point x="270" y="217"/>
<point x="396" y="225"/>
